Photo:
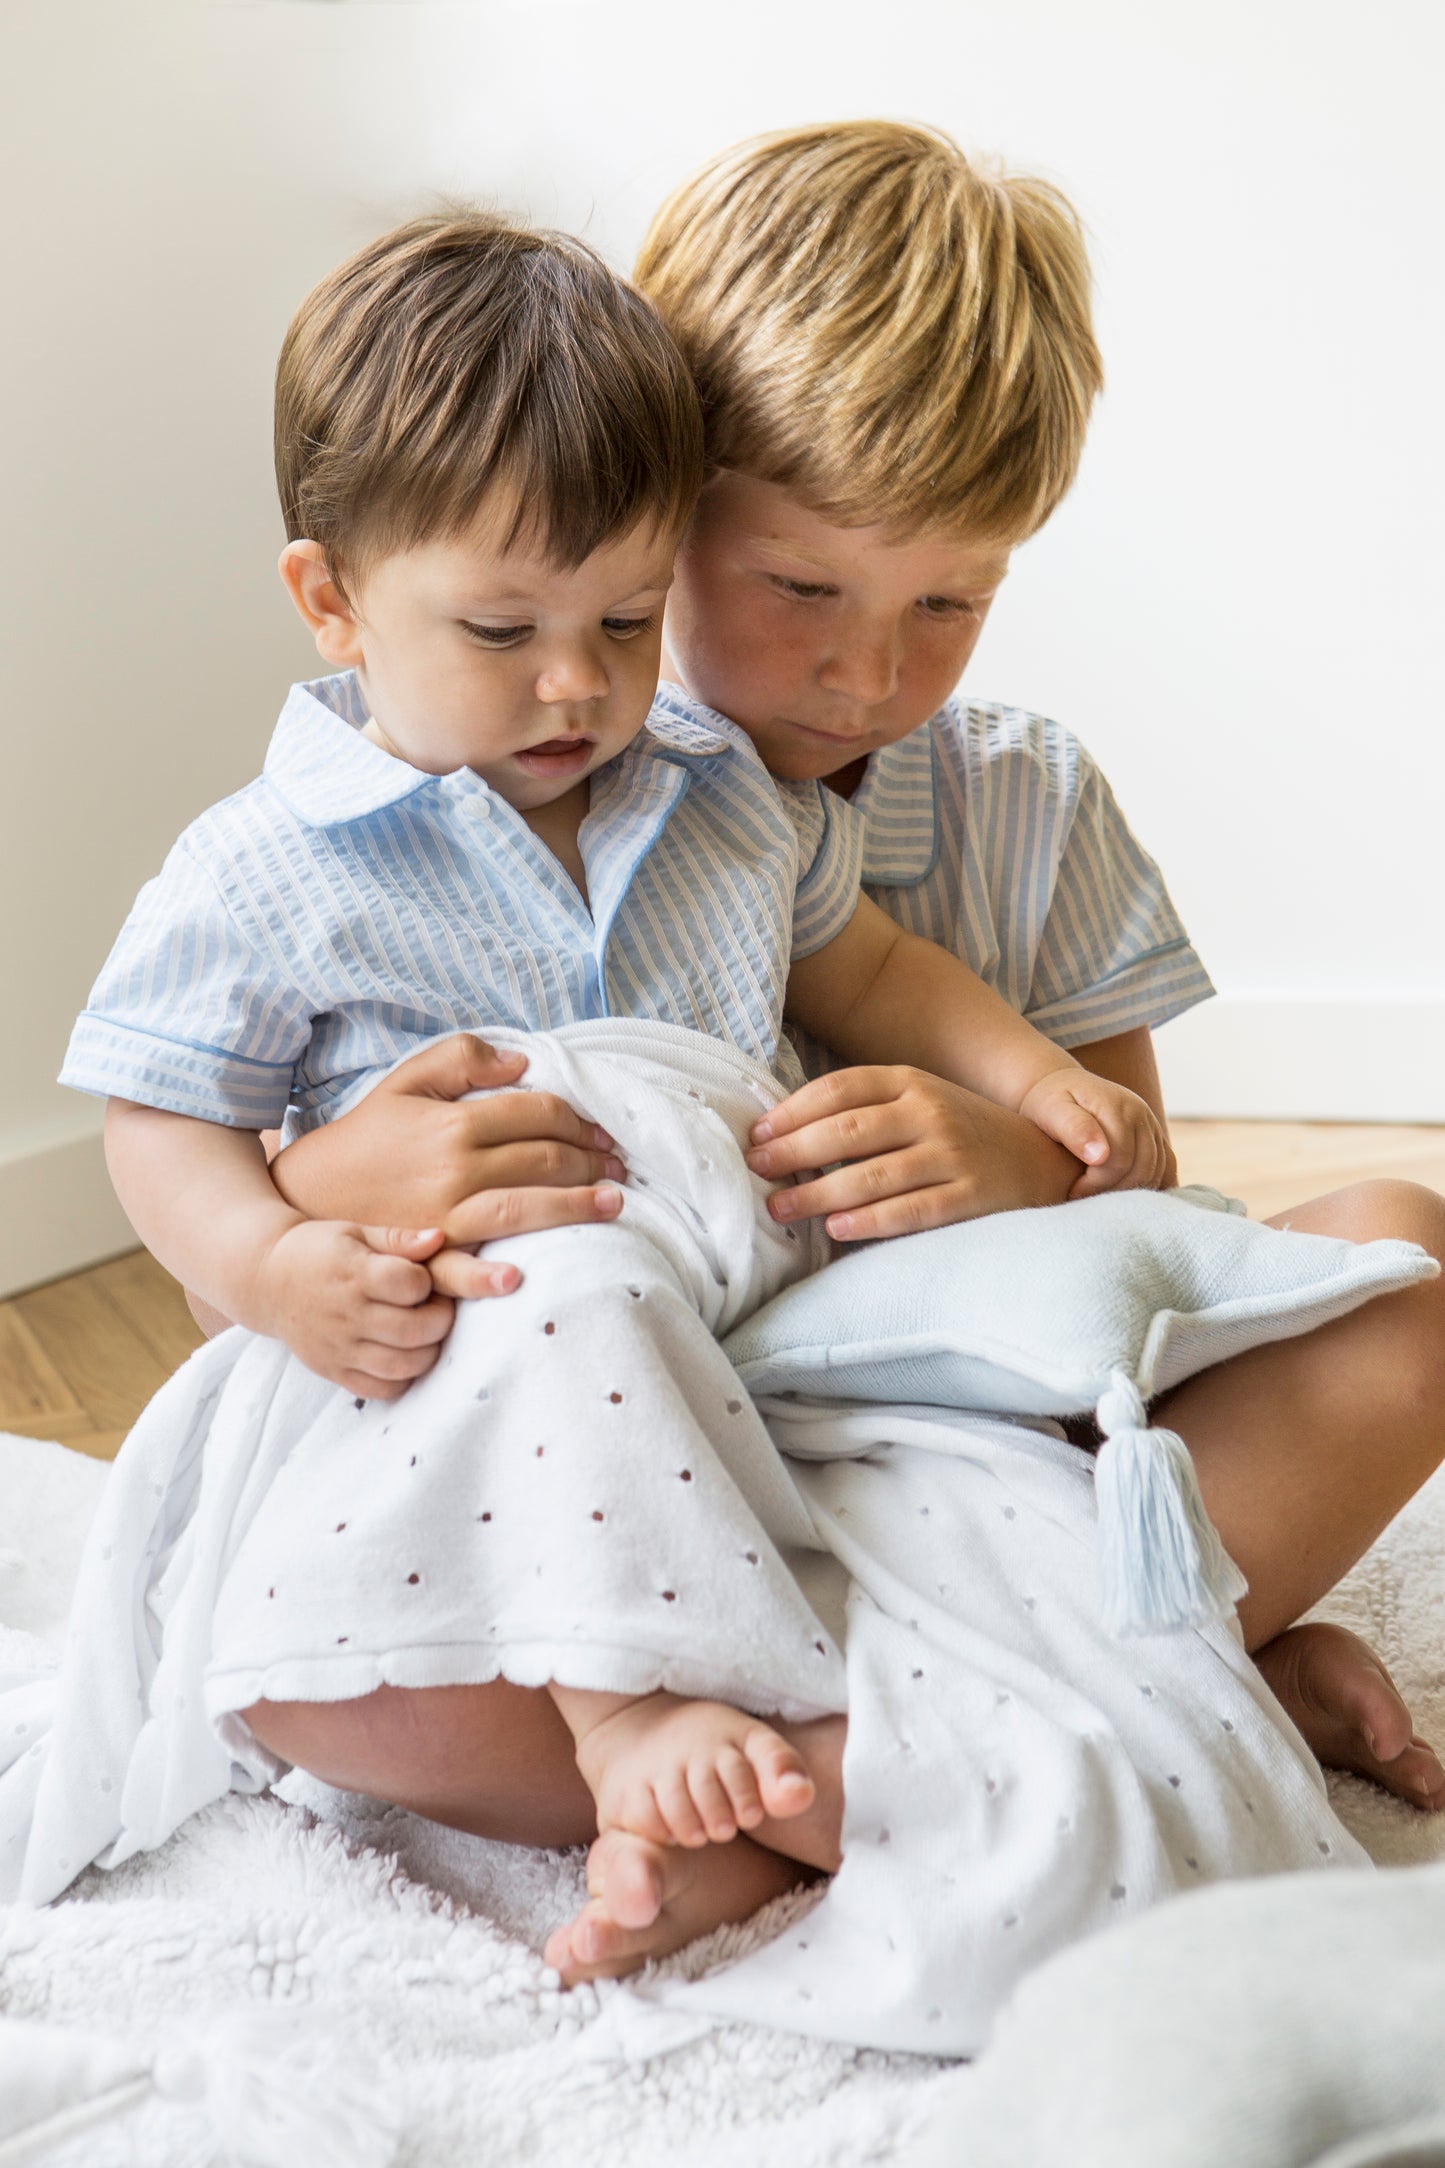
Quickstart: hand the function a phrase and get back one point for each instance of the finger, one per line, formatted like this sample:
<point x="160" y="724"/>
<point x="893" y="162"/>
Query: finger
<point x="417" y="1243"/>
<point x="464" y="1278"/>
<point x="394" y="1280"/>
<point x="1077" y="1129"/>
<point x="853" y="1133"/>
<point x="425" y="1326"/>
<point x="494" y="1213"/>
<point x="847" y="1188"/>
<point x="517" y="1116"/>
<point x="393" y="1365"/>
<point x="363" y="1386"/>
<point x="911" y="1212"/>
<point x="826" y="1095"/>
<point x="454" y="1066"/>
<point x="538" y="1162"/>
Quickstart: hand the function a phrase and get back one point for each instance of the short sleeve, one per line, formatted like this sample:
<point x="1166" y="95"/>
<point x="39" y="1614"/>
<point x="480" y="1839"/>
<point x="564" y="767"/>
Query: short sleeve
<point x="1113" y="955"/>
<point x="190" y="1014"/>
<point x="830" y="858"/>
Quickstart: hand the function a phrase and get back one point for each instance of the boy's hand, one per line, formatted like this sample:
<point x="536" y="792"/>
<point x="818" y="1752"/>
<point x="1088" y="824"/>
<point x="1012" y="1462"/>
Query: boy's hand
<point x="923" y="1154"/>
<point x="356" y="1304"/>
<point x="417" y="1151"/>
<point x="1111" y="1129"/>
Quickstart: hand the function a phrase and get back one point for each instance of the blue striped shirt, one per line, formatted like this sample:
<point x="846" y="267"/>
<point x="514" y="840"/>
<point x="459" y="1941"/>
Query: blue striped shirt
<point x="993" y="833"/>
<point x="345" y="908"/>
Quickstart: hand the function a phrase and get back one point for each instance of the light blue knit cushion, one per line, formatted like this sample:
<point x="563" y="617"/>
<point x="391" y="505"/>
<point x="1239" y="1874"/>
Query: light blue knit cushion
<point x="1095" y="1306"/>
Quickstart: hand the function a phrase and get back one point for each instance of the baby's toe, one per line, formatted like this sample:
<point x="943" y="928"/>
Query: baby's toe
<point x="676" y="1806"/>
<point x="783" y="1780"/>
<point x="735" y="1774"/>
<point x="710" y="1798"/>
<point x="1416" y="1775"/>
<point x="627" y="1878"/>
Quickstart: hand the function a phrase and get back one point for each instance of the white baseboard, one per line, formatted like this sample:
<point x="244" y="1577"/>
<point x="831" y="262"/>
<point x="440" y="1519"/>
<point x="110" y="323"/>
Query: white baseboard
<point x="58" y="1213"/>
<point x="1272" y="1058"/>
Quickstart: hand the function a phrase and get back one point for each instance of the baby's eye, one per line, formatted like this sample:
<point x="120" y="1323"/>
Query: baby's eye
<point x="496" y="635"/>
<point x="802" y="590"/>
<point x="945" y="606"/>
<point x="627" y="628"/>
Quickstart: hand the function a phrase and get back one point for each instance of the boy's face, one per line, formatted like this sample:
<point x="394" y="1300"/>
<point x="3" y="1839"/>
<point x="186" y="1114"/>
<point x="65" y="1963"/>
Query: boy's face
<point x="822" y="641"/>
<point x="473" y="655"/>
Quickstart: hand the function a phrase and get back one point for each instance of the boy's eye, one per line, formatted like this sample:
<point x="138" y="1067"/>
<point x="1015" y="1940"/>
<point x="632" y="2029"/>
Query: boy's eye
<point x="496" y="635"/>
<point x="627" y="628"/>
<point x="802" y="590"/>
<point x="945" y="606"/>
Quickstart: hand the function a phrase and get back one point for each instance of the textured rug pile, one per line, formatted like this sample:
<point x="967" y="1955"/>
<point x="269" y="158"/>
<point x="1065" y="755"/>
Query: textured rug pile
<point x="420" y="1947"/>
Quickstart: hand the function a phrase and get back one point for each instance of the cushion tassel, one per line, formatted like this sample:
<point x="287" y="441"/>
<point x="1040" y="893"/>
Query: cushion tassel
<point x="1161" y="1563"/>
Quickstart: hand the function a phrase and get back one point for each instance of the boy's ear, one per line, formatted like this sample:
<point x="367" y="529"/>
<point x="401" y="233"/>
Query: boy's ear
<point x="320" y="602"/>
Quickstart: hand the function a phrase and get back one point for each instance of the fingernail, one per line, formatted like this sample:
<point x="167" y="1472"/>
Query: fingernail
<point x="427" y="1234"/>
<point x="782" y="1206"/>
<point x="840" y="1224"/>
<point x="758" y="1162"/>
<point x="609" y="1200"/>
<point x="1370" y="1740"/>
<point x="509" y="1279"/>
<point x="762" y="1131"/>
<point x="616" y="1169"/>
<point x="600" y="1138"/>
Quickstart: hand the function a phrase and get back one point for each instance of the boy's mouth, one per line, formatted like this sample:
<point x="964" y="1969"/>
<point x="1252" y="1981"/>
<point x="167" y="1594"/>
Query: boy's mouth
<point x="556" y="756"/>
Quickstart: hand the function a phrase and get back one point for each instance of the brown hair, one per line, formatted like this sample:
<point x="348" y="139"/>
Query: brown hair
<point x="894" y="333"/>
<point x="459" y="352"/>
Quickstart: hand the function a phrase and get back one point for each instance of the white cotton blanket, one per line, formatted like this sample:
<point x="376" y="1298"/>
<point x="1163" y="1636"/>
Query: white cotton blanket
<point x="580" y="1491"/>
<point x="418" y="1946"/>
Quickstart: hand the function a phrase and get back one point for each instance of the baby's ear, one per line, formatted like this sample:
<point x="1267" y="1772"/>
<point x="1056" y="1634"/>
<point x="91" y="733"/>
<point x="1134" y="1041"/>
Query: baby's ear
<point x="306" y="572"/>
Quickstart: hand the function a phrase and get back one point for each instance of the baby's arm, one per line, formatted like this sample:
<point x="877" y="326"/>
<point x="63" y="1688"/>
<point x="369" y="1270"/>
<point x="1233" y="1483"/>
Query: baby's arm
<point x="417" y="1150"/>
<point x="354" y="1303"/>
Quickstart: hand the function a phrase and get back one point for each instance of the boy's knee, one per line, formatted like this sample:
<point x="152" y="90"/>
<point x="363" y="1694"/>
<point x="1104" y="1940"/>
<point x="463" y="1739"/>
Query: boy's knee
<point x="1378" y="1210"/>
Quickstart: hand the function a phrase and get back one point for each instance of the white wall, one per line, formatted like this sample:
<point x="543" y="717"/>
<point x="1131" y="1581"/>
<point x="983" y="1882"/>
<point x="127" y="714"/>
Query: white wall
<point x="1237" y="609"/>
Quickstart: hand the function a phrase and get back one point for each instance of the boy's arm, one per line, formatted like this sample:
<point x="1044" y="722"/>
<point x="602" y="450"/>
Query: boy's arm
<point x="354" y="1303"/>
<point x="926" y="1152"/>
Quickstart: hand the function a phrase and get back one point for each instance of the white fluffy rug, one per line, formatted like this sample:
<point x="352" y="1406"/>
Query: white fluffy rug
<point x="421" y="1946"/>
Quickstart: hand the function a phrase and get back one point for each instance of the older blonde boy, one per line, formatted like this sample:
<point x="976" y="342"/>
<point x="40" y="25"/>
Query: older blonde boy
<point x="896" y="362"/>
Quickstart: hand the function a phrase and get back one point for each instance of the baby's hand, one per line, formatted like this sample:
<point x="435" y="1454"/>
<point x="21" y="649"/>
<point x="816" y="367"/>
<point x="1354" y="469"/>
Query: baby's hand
<point x="1112" y="1130"/>
<point x="355" y="1304"/>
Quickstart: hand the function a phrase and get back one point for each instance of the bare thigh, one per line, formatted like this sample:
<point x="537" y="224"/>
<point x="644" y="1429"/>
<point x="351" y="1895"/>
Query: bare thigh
<point x="496" y="1760"/>
<point x="1307" y="1449"/>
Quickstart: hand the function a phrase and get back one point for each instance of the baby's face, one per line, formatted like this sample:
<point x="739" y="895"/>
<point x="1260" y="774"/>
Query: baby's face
<point x="822" y="641"/>
<point x="473" y="655"/>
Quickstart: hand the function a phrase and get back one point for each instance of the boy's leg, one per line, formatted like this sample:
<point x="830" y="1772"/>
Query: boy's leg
<point x="1306" y="1450"/>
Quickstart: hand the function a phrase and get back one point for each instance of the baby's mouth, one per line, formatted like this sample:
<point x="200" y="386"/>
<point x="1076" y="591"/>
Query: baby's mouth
<point x="557" y="756"/>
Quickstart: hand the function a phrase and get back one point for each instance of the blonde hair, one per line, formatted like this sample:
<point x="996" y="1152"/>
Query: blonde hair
<point x="459" y="352"/>
<point x="897" y="335"/>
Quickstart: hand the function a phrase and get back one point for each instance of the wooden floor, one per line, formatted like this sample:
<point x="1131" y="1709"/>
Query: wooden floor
<point x="80" y="1358"/>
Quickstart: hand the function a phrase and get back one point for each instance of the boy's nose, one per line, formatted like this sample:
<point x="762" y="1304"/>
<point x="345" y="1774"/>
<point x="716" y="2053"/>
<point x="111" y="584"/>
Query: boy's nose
<point x="571" y="677"/>
<point x="864" y="670"/>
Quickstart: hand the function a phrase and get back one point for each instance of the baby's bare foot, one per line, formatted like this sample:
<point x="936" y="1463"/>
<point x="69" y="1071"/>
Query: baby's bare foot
<point x="690" y="1772"/>
<point x="647" y="1900"/>
<point x="1350" y="1710"/>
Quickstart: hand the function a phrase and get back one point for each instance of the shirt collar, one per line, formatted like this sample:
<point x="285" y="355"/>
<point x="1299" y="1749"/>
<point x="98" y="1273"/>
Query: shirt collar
<point x="328" y="773"/>
<point x="681" y="724"/>
<point x="900" y="818"/>
<point x="323" y="767"/>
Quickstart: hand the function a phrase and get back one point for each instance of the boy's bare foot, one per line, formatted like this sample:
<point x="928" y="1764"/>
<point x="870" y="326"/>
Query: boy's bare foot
<point x="1351" y="1712"/>
<point x="647" y="1900"/>
<point x="687" y="1772"/>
